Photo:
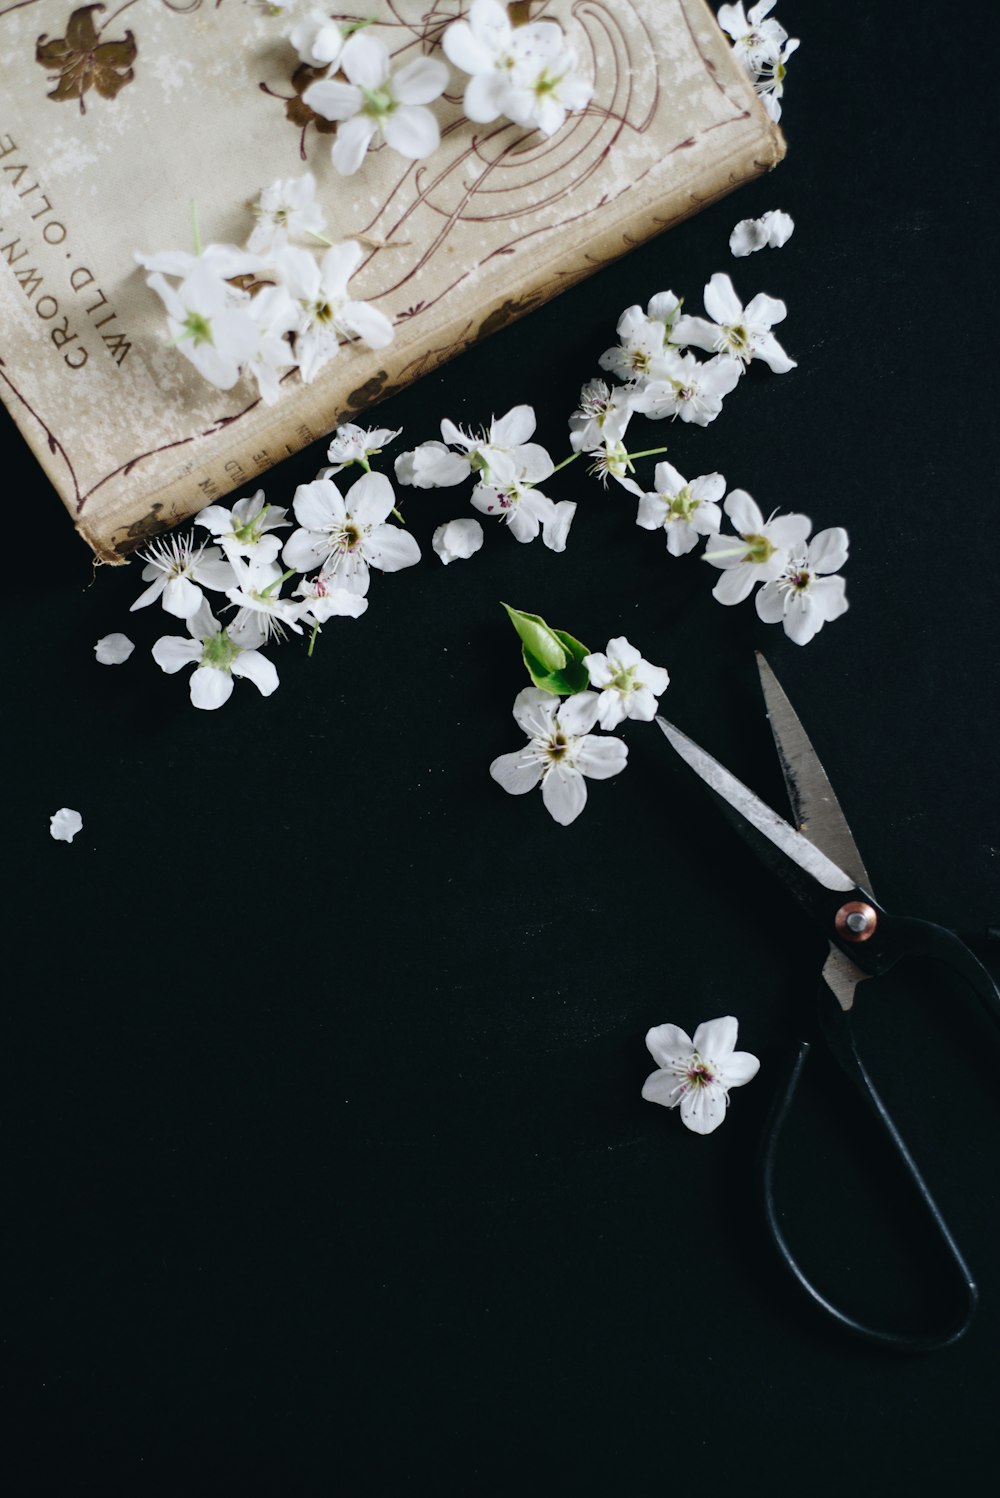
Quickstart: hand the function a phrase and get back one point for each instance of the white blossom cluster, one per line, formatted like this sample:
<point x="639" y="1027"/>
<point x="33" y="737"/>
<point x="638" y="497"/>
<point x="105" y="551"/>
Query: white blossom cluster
<point x="762" y="47"/>
<point x="507" y="467"/>
<point x="271" y="307"/>
<point x="526" y="73"/>
<point x="562" y="751"/>
<point x="340" y="537"/>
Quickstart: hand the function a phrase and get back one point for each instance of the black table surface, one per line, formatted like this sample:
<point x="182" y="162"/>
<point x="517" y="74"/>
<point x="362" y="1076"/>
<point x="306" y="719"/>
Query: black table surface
<point x="327" y="1169"/>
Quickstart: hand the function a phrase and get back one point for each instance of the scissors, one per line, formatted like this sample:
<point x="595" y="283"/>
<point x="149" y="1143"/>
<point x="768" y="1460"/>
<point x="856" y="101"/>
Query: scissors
<point x="818" y="862"/>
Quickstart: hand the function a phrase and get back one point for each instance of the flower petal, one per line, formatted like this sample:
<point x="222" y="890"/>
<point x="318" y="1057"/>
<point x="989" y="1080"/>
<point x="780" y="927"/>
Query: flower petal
<point x="715" y="1039"/>
<point x="565" y="795"/>
<point x="112" y="650"/>
<point x="517" y="773"/>
<point x="420" y="81"/>
<point x="703" y="1108"/>
<point x="669" y="1045"/>
<point x="370" y="499"/>
<point x="210" y="688"/>
<point x="172" y="652"/>
<point x="258" y="669"/>
<point x="664" y="1087"/>
<point x="412" y="131"/>
<point x="353" y="137"/>
<point x="390" y="548"/>
<point x="599" y="757"/>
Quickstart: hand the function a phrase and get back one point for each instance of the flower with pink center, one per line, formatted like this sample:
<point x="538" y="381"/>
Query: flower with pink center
<point x="696" y="1075"/>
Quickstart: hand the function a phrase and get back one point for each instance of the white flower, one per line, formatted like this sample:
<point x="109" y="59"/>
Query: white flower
<point x="772" y="229"/>
<point x="628" y="685"/>
<point x="354" y="444"/>
<point x="690" y="388"/>
<point x="743" y="332"/>
<point x="178" y="570"/>
<point x="374" y="103"/>
<point x="326" y="599"/>
<point x="755" y="40"/>
<point x="209" y="323"/>
<point x="560" y="751"/>
<point x="644" y="337"/>
<point x="244" y="529"/>
<point x="804" y="597"/>
<point x="541" y="92"/>
<point x="262" y="614"/>
<point x="697" y="1074"/>
<point x="759" y="553"/>
<point x="525" y="72"/>
<point x="526" y="511"/>
<point x="217" y="659"/>
<point x="65" y="824"/>
<point x="326" y="313"/>
<point x="318" y="39"/>
<point x="684" y="510"/>
<point x="286" y="210"/>
<point x="458" y="539"/>
<point x="112" y="650"/>
<point x="502" y="455"/>
<point x="345" y="535"/>
<point x="771" y="83"/>
<point x="603" y="414"/>
<point x="612" y="460"/>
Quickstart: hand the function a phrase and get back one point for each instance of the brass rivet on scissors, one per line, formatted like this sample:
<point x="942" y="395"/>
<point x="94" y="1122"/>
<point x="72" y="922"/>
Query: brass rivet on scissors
<point x="855" y="921"/>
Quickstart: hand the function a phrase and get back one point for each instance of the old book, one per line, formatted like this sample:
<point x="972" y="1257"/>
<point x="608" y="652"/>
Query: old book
<point x="113" y="118"/>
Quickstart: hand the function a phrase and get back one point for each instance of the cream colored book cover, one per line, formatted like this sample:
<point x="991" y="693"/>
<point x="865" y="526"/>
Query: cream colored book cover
<point x="114" y="118"/>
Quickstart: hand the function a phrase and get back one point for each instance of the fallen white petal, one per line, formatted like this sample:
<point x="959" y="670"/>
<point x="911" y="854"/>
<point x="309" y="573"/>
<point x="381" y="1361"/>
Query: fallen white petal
<point x="65" y="824"/>
<point x="113" y="649"/>
<point x="457" y="540"/>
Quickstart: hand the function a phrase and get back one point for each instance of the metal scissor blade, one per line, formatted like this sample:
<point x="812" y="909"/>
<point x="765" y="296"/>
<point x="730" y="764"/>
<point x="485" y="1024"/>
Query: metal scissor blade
<point x="815" y="809"/>
<point x="803" y="853"/>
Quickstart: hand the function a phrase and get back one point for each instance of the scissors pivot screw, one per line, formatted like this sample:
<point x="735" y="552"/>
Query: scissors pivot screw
<point x="855" y="921"/>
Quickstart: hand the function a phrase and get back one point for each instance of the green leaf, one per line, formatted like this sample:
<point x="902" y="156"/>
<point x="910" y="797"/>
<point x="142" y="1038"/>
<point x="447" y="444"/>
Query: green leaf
<point x="554" y="659"/>
<point x="539" y="641"/>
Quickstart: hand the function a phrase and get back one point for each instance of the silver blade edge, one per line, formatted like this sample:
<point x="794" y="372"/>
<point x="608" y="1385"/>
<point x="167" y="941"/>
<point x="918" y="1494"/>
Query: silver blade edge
<point x="779" y="832"/>
<point x="815" y="808"/>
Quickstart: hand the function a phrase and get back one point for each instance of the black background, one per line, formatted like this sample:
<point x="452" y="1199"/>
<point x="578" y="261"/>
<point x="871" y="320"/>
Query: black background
<point x="326" y="1164"/>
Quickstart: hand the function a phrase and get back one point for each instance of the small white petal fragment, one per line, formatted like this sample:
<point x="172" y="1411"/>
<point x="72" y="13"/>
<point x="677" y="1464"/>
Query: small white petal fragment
<point x="112" y="650"/>
<point x="771" y="230"/>
<point x="65" y="824"/>
<point x="457" y="540"/>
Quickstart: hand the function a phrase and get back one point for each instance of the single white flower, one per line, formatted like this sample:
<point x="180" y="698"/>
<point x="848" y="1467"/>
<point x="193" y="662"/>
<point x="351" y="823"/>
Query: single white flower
<point x="325" y="599"/>
<point x="542" y="90"/>
<point x="177" y="570"/>
<point x="804" y="596"/>
<point x="760" y="551"/>
<point x="65" y="824"/>
<point x="209" y="322"/>
<point x="696" y="1075"/>
<point x="326" y="314"/>
<point x="684" y="510"/>
<point x="772" y="229"/>
<point x="374" y="103"/>
<point x="354" y="444"/>
<point x="613" y="460"/>
<point x="644" y="336"/>
<point x="603" y="414"/>
<point x="217" y="660"/>
<point x="628" y="686"/>
<point x="262" y="614"/>
<point x="112" y="650"/>
<point x="755" y="40"/>
<point x="526" y="511"/>
<point x="690" y="388"/>
<point x="560" y="752"/>
<point x="743" y="332"/>
<point x="346" y="535"/>
<point x="458" y="539"/>
<point x="317" y="39"/>
<point x="286" y="210"/>
<point x="246" y="529"/>
<point x="502" y="454"/>
<point x="525" y="72"/>
<point x="771" y="83"/>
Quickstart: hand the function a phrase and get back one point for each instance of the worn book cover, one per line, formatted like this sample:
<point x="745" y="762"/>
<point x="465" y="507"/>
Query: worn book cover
<point x="113" y="118"/>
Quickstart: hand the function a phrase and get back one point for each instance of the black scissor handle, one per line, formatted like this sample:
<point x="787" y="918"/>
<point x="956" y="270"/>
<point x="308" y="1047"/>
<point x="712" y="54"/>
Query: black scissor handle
<point x="897" y="1341"/>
